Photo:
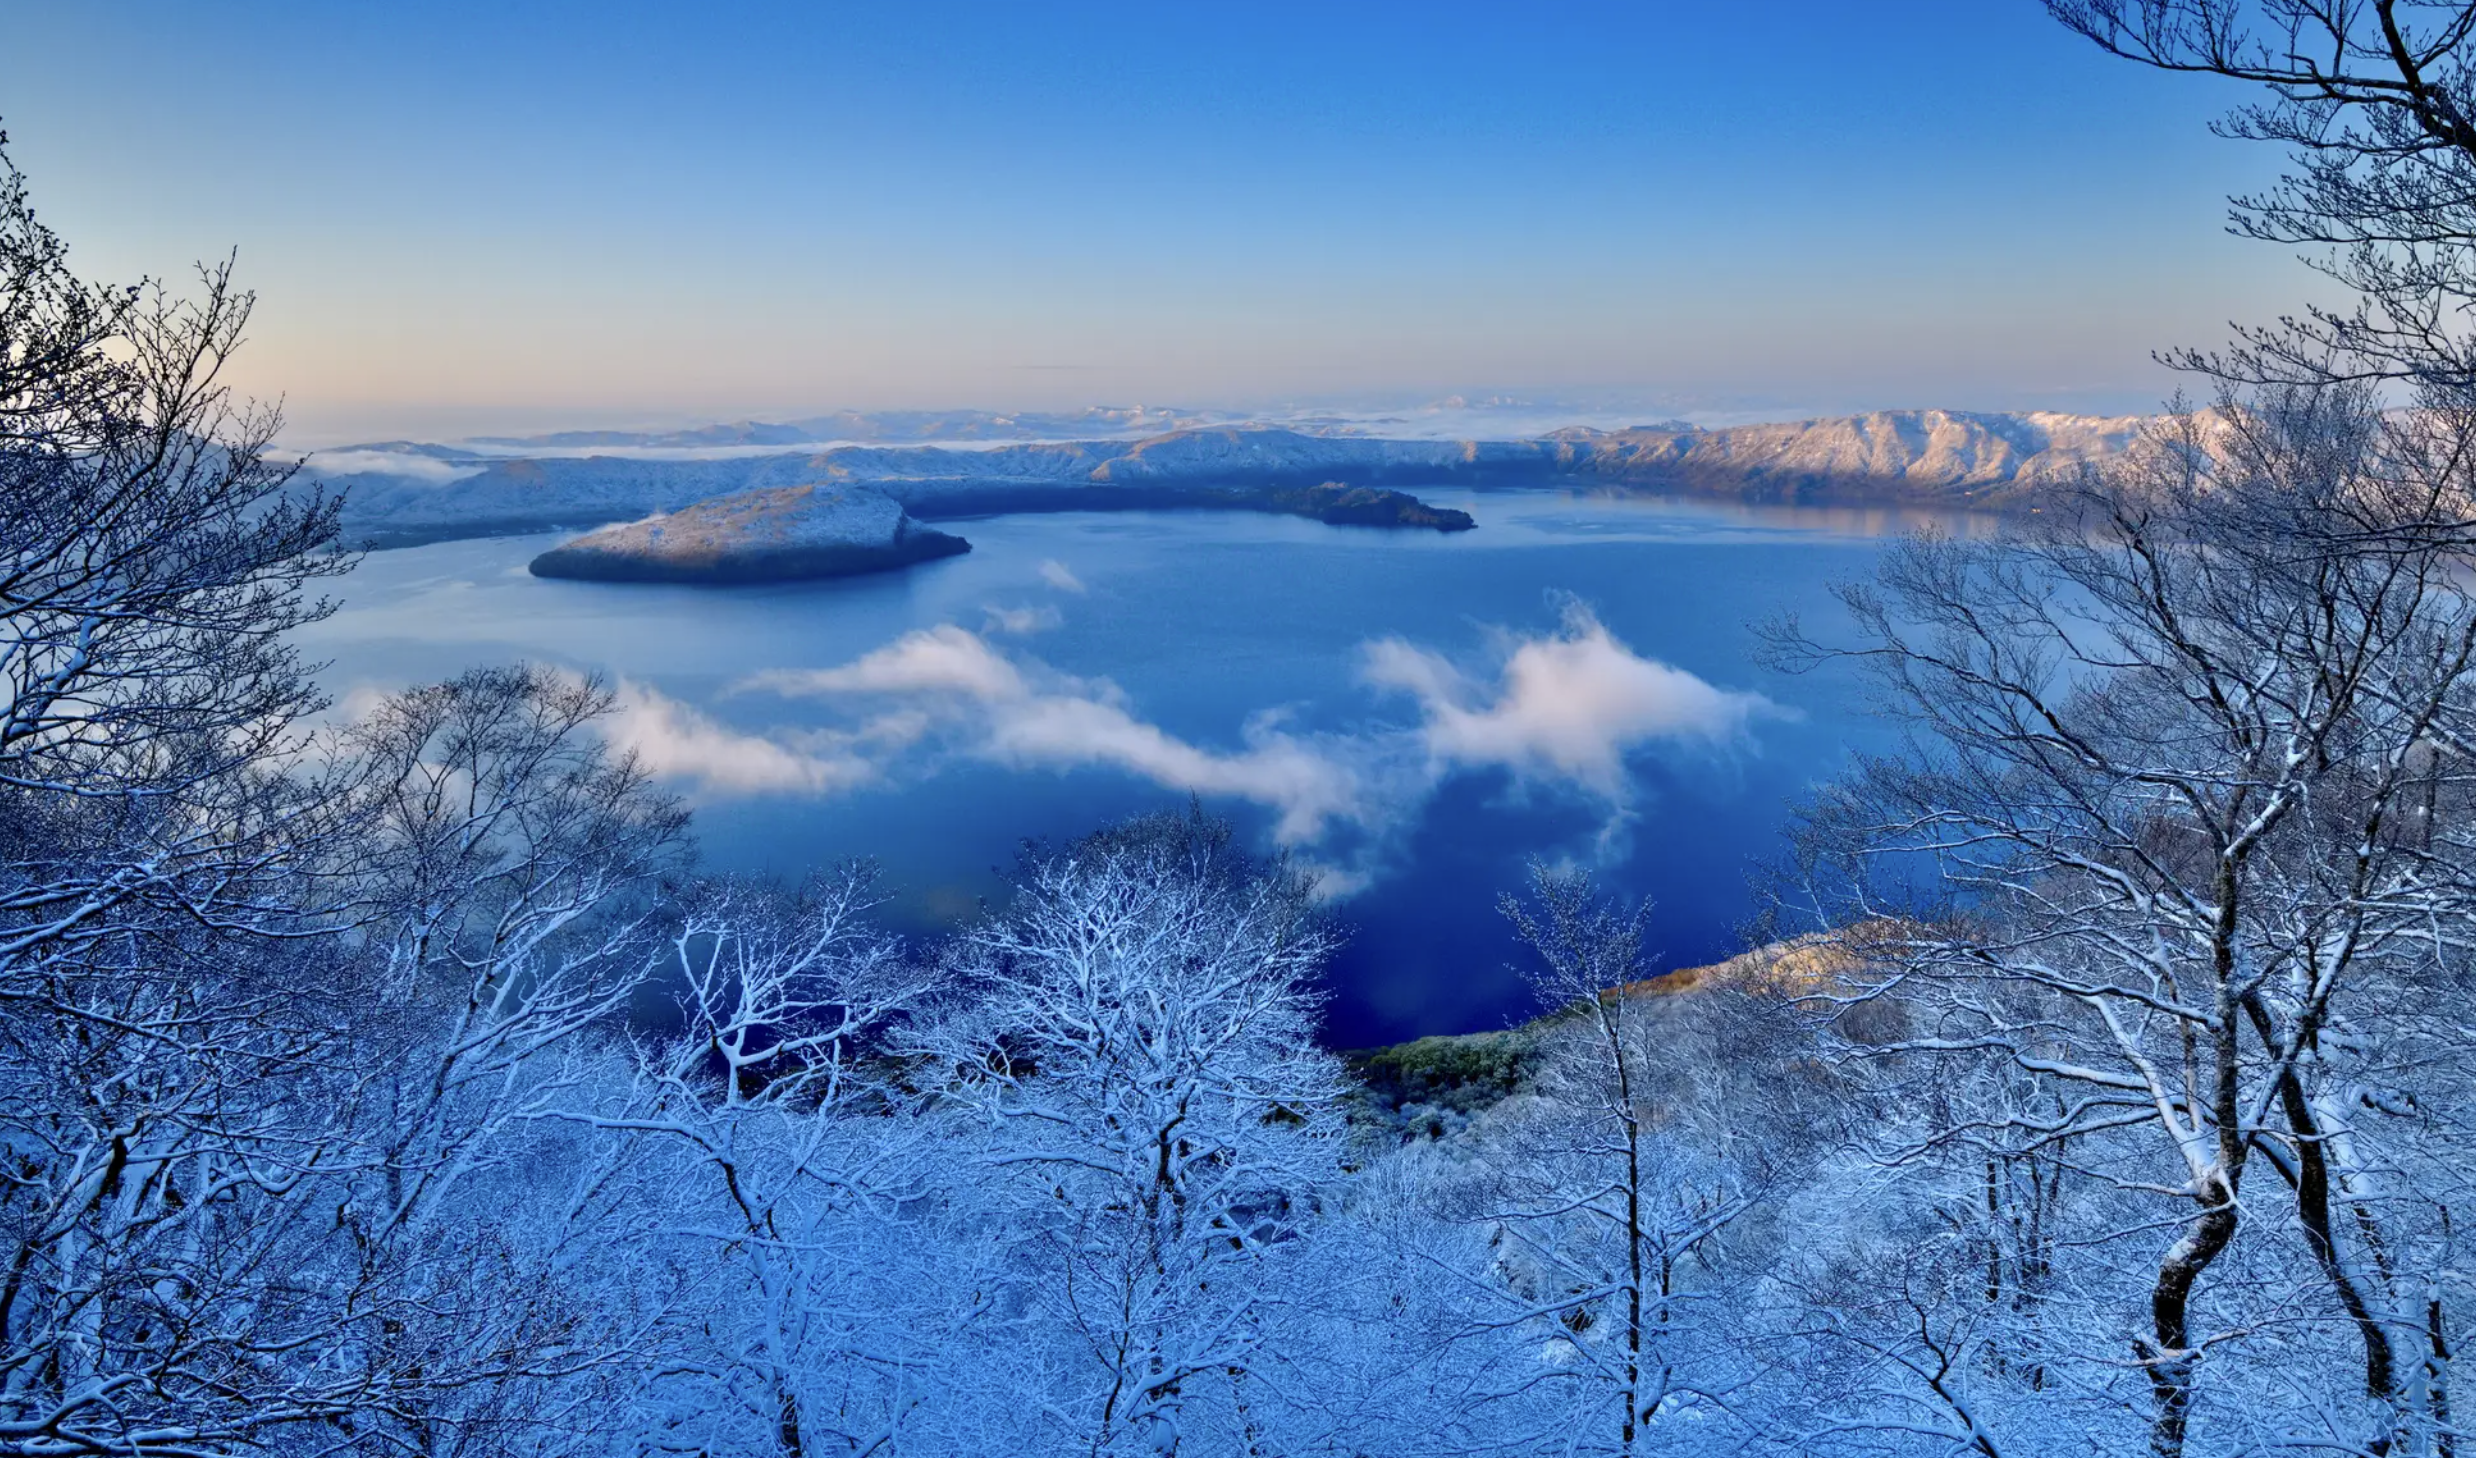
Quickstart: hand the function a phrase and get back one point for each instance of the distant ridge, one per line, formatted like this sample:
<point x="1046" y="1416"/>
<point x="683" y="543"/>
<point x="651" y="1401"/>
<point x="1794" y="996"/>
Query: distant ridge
<point x="872" y="426"/>
<point x="400" y="493"/>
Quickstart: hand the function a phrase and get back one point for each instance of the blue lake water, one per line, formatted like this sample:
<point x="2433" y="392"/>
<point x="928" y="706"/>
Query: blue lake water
<point x="1113" y="661"/>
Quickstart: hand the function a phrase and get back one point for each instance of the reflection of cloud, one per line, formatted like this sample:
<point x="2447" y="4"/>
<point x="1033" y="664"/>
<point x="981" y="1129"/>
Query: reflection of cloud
<point x="1568" y="707"/>
<point x="1022" y="622"/>
<point x="1058" y="575"/>
<point x="1037" y="719"/>
<point x="676" y="742"/>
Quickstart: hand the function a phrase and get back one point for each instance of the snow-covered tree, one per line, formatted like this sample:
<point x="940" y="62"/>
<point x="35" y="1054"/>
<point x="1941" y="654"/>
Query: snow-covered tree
<point x="1134" y="1037"/>
<point x="1603" y="1209"/>
<point x="798" y="1193"/>
<point x="506" y="860"/>
<point x="162" y="1031"/>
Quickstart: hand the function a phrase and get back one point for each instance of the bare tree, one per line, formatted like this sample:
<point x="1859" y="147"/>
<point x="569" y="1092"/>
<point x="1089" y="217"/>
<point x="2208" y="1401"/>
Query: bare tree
<point x="504" y="863"/>
<point x="223" y="1154"/>
<point x="2160" y="836"/>
<point x="1606" y="1217"/>
<point x="2375" y="101"/>
<point x="152" y="556"/>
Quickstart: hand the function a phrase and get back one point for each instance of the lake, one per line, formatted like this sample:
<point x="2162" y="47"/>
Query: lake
<point x="1416" y="716"/>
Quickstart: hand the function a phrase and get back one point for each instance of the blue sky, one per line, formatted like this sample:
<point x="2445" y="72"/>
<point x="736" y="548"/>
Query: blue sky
<point x="462" y="217"/>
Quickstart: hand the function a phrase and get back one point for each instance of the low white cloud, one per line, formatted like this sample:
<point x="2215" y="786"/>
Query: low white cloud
<point x="1027" y="716"/>
<point x="944" y="660"/>
<point x="1307" y="787"/>
<point x="1328" y="882"/>
<point x="1566" y="707"/>
<point x="1561" y="712"/>
<point x="1021" y="622"/>
<point x="411" y="465"/>
<point x="358" y="703"/>
<point x="676" y="742"/>
<point x="1058" y="575"/>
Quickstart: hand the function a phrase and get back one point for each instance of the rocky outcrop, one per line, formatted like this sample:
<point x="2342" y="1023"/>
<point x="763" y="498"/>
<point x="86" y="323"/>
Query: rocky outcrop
<point x="777" y="534"/>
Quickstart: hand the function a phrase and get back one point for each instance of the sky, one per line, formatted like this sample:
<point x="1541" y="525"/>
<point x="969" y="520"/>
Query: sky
<point x="486" y="217"/>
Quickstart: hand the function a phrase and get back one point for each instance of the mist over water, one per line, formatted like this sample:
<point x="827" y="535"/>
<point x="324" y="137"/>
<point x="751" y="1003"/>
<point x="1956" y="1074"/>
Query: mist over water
<point x="1412" y="715"/>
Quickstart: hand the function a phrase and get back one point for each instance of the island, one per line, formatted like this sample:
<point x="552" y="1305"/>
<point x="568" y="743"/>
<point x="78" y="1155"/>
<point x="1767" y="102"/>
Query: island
<point x="1335" y="503"/>
<point x="824" y="529"/>
<point x="1341" y="504"/>
<point x="775" y="534"/>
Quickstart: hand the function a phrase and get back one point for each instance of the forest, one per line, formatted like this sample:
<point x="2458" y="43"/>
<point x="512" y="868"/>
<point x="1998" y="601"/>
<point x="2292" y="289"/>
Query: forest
<point x="386" y="1078"/>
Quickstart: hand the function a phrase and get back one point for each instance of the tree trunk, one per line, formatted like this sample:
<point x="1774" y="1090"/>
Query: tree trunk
<point x="2312" y="1200"/>
<point x="2167" y="1351"/>
<point x="787" y="1423"/>
<point x="2437" y="1380"/>
<point x="1630" y="1119"/>
<point x="1633" y="1280"/>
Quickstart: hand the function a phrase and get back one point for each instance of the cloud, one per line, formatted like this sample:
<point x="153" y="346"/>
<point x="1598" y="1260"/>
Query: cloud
<point x="943" y="660"/>
<point x="1058" y="575"/>
<point x="675" y="742"/>
<point x="1027" y="716"/>
<point x="1305" y="786"/>
<point x="1564" y="710"/>
<point x="1022" y="622"/>
<point x="1565" y="707"/>
<point x="410" y="465"/>
<point x="1328" y="882"/>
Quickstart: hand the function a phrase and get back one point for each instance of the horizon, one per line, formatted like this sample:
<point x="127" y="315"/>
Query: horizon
<point x="658" y="437"/>
<point x="466" y="223"/>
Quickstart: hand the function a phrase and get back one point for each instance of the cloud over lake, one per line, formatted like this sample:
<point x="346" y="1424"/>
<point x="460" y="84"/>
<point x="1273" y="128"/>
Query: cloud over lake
<point x="1028" y="716"/>
<point x="1561" y="713"/>
<point x="676" y="742"/>
<point x="1567" y="706"/>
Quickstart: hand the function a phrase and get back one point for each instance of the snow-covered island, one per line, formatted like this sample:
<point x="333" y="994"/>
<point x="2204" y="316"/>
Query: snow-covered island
<point x="782" y="534"/>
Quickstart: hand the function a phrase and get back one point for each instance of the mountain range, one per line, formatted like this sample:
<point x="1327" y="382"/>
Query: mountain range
<point x="400" y="492"/>
<point x="871" y="426"/>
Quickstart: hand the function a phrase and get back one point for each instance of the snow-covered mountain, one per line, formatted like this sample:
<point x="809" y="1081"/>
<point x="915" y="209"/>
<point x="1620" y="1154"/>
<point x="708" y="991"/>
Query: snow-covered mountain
<point x="1963" y="456"/>
<point x="400" y="492"/>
